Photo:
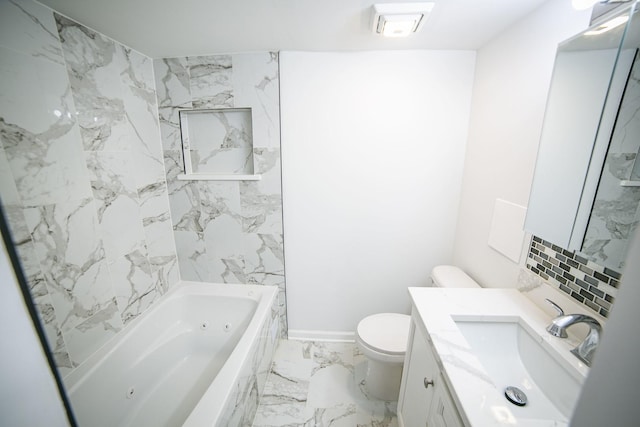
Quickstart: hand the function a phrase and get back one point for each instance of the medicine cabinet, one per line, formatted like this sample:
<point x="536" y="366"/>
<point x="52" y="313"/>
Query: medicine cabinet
<point x="590" y="82"/>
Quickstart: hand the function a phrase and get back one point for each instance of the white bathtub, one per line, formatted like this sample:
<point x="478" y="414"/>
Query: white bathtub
<point x="198" y="357"/>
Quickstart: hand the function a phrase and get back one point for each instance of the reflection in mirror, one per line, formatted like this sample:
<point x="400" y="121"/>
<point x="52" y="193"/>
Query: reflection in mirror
<point x="616" y="209"/>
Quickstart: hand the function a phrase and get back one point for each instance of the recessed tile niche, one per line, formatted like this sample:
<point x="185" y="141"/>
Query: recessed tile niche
<point x="217" y="142"/>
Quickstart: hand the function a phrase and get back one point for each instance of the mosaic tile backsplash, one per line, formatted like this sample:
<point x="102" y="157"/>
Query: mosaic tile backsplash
<point x="588" y="283"/>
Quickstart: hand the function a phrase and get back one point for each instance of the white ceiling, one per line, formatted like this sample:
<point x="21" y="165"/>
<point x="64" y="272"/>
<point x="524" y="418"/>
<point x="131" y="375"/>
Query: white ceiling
<point x="168" y="28"/>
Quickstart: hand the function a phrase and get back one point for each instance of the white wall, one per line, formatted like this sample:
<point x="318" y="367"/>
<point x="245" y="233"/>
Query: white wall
<point x="512" y="79"/>
<point x="372" y="157"/>
<point x="28" y="394"/>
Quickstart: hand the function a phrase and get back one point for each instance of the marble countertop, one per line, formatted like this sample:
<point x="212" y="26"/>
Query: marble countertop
<point x="479" y="402"/>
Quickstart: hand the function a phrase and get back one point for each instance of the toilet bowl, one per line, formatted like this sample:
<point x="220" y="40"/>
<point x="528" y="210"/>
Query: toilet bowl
<point x="383" y="337"/>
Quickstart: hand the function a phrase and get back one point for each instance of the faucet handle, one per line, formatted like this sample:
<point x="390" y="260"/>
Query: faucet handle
<point x="553" y="328"/>
<point x="556" y="306"/>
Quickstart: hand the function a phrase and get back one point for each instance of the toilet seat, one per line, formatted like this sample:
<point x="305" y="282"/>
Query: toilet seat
<point x="385" y="333"/>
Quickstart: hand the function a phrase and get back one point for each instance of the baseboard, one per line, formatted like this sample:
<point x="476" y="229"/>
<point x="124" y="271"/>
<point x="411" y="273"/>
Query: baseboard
<point x="332" y="336"/>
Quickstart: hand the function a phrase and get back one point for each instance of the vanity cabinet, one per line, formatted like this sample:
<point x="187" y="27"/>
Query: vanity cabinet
<point x="442" y="412"/>
<point x="424" y="397"/>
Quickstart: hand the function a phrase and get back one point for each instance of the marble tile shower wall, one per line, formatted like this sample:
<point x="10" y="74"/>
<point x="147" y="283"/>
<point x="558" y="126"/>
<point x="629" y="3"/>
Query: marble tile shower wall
<point x="226" y="231"/>
<point x="82" y="177"/>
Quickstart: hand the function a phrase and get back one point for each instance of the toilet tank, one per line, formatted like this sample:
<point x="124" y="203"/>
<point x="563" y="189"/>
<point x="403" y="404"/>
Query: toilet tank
<point x="449" y="276"/>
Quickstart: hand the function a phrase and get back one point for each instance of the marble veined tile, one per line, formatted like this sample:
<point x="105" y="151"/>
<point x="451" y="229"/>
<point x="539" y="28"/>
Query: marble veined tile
<point x="165" y="271"/>
<point x="85" y="338"/>
<point x="282" y="309"/>
<point x="267" y="164"/>
<point x="172" y="82"/>
<point x="192" y="256"/>
<point x="284" y="401"/>
<point x="376" y="414"/>
<point x="174" y="166"/>
<point x="261" y="213"/>
<point x="134" y="285"/>
<point x="170" y="127"/>
<point x="156" y="220"/>
<point x="222" y="223"/>
<point x="256" y="84"/>
<point x="72" y="257"/>
<point x="30" y="265"/>
<point x="343" y="415"/>
<point x="113" y="91"/>
<point x="8" y="190"/>
<point x="613" y="216"/>
<point x="185" y="208"/>
<point x="174" y="93"/>
<point x="327" y="354"/>
<point x="219" y="199"/>
<point x="111" y="174"/>
<point x="146" y="151"/>
<point x="210" y="81"/>
<point x="326" y="388"/>
<point x="226" y="268"/>
<point x="116" y="198"/>
<point x="28" y="27"/>
<point x="138" y="77"/>
<point x="261" y="200"/>
<point x="38" y="132"/>
<point x="293" y="359"/>
<point x="283" y="388"/>
<point x="264" y="254"/>
<point x="94" y="65"/>
<point x="280" y="411"/>
<point x="202" y="207"/>
<point x="142" y="115"/>
<point x="334" y="396"/>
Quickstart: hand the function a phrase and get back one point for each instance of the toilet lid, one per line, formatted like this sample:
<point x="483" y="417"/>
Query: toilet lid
<point x="385" y="332"/>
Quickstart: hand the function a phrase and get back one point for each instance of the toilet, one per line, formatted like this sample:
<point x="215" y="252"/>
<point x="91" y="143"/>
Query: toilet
<point x="383" y="337"/>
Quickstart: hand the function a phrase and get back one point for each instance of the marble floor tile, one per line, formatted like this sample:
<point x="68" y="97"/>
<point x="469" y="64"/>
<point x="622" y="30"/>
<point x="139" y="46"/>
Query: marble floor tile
<point x="320" y="384"/>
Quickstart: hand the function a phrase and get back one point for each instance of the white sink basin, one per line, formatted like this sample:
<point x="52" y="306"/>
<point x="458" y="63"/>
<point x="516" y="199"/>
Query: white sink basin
<point x="514" y="356"/>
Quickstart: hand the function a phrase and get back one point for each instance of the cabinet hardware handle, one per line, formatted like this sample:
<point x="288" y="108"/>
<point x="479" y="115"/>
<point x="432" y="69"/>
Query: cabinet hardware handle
<point x="427" y="382"/>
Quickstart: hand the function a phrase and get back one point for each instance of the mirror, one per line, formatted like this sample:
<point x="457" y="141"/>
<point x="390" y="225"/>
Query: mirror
<point x="615" y="213"/>
<point x="589" y="79"/>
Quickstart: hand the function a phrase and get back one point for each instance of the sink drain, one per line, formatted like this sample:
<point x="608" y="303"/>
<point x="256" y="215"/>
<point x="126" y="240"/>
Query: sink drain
<point x="515" y="396"/>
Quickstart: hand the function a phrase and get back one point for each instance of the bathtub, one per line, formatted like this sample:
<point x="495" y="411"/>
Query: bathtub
<point x="198" y="357"/>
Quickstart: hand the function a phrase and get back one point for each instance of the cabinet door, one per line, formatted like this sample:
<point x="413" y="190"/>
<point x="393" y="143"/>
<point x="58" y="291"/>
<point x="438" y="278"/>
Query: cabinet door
<point x="443" y="412"/>
<point x="418" y="390"/>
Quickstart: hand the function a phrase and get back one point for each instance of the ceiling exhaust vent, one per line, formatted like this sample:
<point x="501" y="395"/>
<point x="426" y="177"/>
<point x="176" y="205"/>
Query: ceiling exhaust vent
<point x="399" y="19"/>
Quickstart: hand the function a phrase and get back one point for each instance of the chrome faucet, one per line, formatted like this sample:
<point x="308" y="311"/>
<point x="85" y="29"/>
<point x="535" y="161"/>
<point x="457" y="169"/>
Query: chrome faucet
<point x="558" y="328"/>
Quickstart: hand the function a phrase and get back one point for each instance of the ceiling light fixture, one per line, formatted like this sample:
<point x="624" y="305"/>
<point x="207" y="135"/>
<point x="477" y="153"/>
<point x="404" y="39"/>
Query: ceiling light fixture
<point x="399" y="19"/>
